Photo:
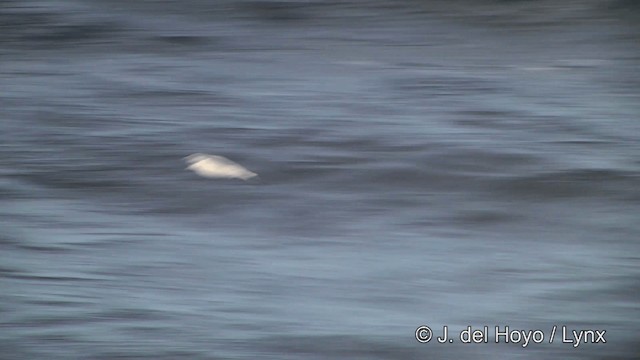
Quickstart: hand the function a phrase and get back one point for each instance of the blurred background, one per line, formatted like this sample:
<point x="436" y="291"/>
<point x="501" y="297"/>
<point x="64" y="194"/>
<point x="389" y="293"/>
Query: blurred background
<point x="422" y="162"/>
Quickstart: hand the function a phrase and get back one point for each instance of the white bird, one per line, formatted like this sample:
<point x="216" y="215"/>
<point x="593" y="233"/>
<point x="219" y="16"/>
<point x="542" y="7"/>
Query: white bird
<point x="214" y="166"/>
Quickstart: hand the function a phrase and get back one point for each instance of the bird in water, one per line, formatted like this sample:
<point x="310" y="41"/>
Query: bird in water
<point x="214" y="166"/>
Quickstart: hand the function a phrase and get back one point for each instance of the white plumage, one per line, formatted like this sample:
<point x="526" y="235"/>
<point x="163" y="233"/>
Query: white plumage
<point x="214" y="166"/>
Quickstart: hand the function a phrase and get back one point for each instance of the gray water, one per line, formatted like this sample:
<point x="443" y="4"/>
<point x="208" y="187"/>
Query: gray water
<point x="421" y="163"/>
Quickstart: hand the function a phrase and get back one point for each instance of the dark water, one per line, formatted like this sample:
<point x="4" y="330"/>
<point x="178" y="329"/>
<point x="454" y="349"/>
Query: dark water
<point x="422" y="163"/>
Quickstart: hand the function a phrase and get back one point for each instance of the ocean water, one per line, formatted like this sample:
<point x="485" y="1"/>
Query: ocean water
<point x="443" y="163"/>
